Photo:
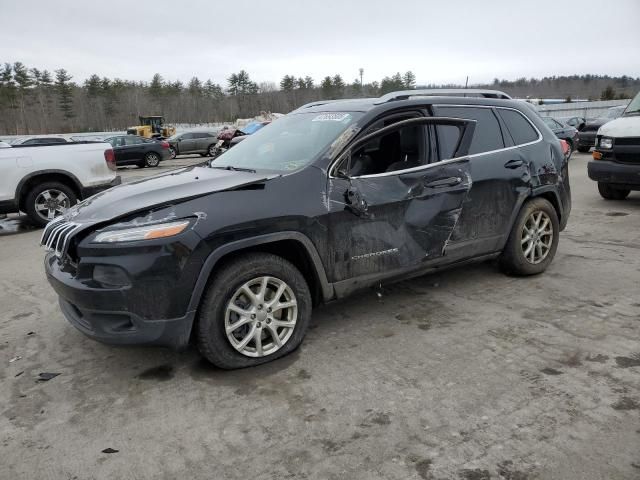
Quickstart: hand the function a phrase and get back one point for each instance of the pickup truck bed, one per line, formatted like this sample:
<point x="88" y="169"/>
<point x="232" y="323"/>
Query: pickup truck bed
<point x="44" y="180"/>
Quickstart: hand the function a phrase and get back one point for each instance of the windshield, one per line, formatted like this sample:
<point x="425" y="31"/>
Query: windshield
<point x="289" y="143"/>
<point x="634" y="106"/>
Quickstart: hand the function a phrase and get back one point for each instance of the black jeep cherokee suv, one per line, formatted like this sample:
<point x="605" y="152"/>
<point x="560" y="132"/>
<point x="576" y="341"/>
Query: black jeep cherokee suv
<point x="334" y="197"/>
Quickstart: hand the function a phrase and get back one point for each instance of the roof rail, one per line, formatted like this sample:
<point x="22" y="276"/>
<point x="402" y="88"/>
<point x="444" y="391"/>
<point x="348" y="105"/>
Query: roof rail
<point x="457" y="92"/>
<point x="318" y="103"/>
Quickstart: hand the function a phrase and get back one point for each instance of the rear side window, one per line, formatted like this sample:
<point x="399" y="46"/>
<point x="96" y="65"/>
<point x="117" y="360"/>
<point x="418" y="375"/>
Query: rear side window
<point x="486" y="138"/>
<point x="519" y="127"/>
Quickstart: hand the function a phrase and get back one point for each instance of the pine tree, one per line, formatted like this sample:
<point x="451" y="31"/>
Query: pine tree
<point x="327" y="87"/>
<point x="288" y="83"/>
<point x="195" y="87"/>
<point x="409" y="80"/>
<point x="156" y="86"/>
<point x="65" y="93"/>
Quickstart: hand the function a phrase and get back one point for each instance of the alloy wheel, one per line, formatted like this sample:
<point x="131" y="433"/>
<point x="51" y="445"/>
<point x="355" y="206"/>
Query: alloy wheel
<point x="51" y="203"/>
<point x="537" y="237"/>
<point x="261" y="316"/>
<point x="152" y="160"/>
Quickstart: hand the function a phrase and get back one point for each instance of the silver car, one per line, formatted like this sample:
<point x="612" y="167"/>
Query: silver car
<point x="202" y="142"/>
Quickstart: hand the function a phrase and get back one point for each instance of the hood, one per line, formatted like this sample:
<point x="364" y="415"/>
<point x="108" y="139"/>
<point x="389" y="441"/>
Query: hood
<point x="621" y="127"/>
<point x="166" y="189"/>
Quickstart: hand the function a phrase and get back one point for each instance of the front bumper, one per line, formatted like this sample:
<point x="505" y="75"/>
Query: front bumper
<point x="87" y="192"/>
<point x="623" y="175"/>
<point x="152" y="303"/>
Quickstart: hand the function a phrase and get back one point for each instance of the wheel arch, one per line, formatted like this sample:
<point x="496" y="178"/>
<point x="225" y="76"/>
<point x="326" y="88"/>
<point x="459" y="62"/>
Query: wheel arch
<point x="293" y="246"/>
<point x="42" y="176"/>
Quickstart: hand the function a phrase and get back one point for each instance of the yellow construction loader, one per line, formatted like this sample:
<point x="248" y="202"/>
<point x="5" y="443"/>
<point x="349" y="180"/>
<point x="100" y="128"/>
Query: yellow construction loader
<point x="152" y="127"/>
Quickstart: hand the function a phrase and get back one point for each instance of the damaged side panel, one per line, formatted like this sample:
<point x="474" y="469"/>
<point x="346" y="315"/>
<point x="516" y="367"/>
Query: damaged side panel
<point x="407" y="218"/>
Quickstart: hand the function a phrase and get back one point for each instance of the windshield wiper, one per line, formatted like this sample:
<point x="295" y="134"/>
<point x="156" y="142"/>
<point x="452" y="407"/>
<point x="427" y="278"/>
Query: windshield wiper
<point x="632" y="111"/>
<point x="235" y="169"/>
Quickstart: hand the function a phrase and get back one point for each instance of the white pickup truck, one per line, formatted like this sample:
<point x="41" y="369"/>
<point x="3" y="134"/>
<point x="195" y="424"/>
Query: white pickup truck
<point x="44" y="180"/>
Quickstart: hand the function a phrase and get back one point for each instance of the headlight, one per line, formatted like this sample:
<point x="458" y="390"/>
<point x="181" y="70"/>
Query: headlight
<point x="606" y="142"/>
<point x="148" y="232"/>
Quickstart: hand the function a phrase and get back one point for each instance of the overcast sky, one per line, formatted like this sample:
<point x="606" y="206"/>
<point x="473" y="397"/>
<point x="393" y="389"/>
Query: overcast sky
<point x="441" y="41"/>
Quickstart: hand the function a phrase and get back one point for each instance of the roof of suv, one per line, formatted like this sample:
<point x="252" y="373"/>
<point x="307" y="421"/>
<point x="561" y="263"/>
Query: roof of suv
<point x="413" y="98"/>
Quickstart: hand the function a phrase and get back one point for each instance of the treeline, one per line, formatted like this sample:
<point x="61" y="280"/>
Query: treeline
<point x="38" y="101"/>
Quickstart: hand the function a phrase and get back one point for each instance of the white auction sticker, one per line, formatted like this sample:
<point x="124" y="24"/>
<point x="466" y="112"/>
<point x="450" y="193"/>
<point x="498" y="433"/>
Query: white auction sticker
<point x="331" y="117"/>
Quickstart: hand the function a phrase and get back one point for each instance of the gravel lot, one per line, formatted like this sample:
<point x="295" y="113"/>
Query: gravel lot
<point x="468" y="374"/>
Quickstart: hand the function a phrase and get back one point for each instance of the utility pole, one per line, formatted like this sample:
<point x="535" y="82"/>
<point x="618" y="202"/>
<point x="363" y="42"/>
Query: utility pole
<point x="467" y="82"/>
<point x="361" y="73"/>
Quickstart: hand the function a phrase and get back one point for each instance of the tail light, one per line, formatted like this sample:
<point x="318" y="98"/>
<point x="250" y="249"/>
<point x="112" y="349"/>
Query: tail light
<point x="164" y="144"/>
<point x="565" y="147"/>
<point x="110" y="158"/>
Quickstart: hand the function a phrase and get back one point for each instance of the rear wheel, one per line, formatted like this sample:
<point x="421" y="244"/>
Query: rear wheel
<point x="212" y="150"/>
<point x="609" y="192"/>
<point x="533" y="239"/>
<point x="152" y="159"/>
<point x="172" y="153"/>
<point x="48" y="200"/>
<point x="256" y="309"/>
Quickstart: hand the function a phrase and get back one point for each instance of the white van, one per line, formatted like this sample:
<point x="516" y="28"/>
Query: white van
<point x="616" y="156"/>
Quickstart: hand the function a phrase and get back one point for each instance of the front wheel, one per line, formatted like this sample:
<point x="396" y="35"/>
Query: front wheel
<point x="608" y="192"/>
<point x="172" y="153"/>
<point x="48" y="200"/>
<point x="152" y="159"/>
<point x="533" y="239"/>
<point x="257" y="309"/>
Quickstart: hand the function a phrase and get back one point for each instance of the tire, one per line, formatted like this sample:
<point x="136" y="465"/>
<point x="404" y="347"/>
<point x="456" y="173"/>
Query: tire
<point x="583" y="149"/>
<point x="212" y="150"/>
<point x="62" y="197"/>
<point x="608" y="192"/>
<point x="204" y="154"/>
<point x="172" y="153"/>
<point x="213" y="341"/>
<point x="152" y="159"/>
<point x="529" y="253"/>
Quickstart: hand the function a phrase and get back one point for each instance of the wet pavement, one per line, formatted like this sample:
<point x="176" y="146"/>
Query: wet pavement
<point x="467" y="374"/>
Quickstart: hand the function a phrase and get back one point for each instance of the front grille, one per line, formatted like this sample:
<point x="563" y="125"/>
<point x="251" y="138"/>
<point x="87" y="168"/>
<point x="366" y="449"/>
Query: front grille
<point x="57" y="236"/>
<point x="628" y="141"/>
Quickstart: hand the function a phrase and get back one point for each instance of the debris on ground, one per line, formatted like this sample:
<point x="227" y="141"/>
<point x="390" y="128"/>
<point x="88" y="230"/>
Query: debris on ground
<point x="46" y="376"/>
<point x="19" y="373"/>
<point x="15" y="359"/>
<point x="110" y="450"/>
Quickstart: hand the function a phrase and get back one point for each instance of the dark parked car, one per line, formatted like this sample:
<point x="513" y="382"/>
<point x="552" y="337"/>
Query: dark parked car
<point x="587" y="135"/>
<point x="51" y="140"/>
<point x="332" y="198"/>
<point x="575" y="122"/>
<point x="134" y="150"/>
<point x="193" y="142"/>
<point x="563" y="132"/>
<point x="249" y="129"/>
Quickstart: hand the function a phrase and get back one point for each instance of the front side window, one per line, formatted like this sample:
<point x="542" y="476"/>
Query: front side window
<point x="487" y="136"/>
<point x="634" y="107"/>
<point x="291" y="142"/>
<point x="398" y="150"/>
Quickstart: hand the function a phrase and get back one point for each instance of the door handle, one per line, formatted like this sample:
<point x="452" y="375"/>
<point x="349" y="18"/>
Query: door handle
<point x="444" y="182"/>
<point x="514" y="164"/>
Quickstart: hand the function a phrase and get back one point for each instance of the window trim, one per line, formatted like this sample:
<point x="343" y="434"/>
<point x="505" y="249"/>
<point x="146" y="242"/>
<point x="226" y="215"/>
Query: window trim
<point x="539" y="139"/>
